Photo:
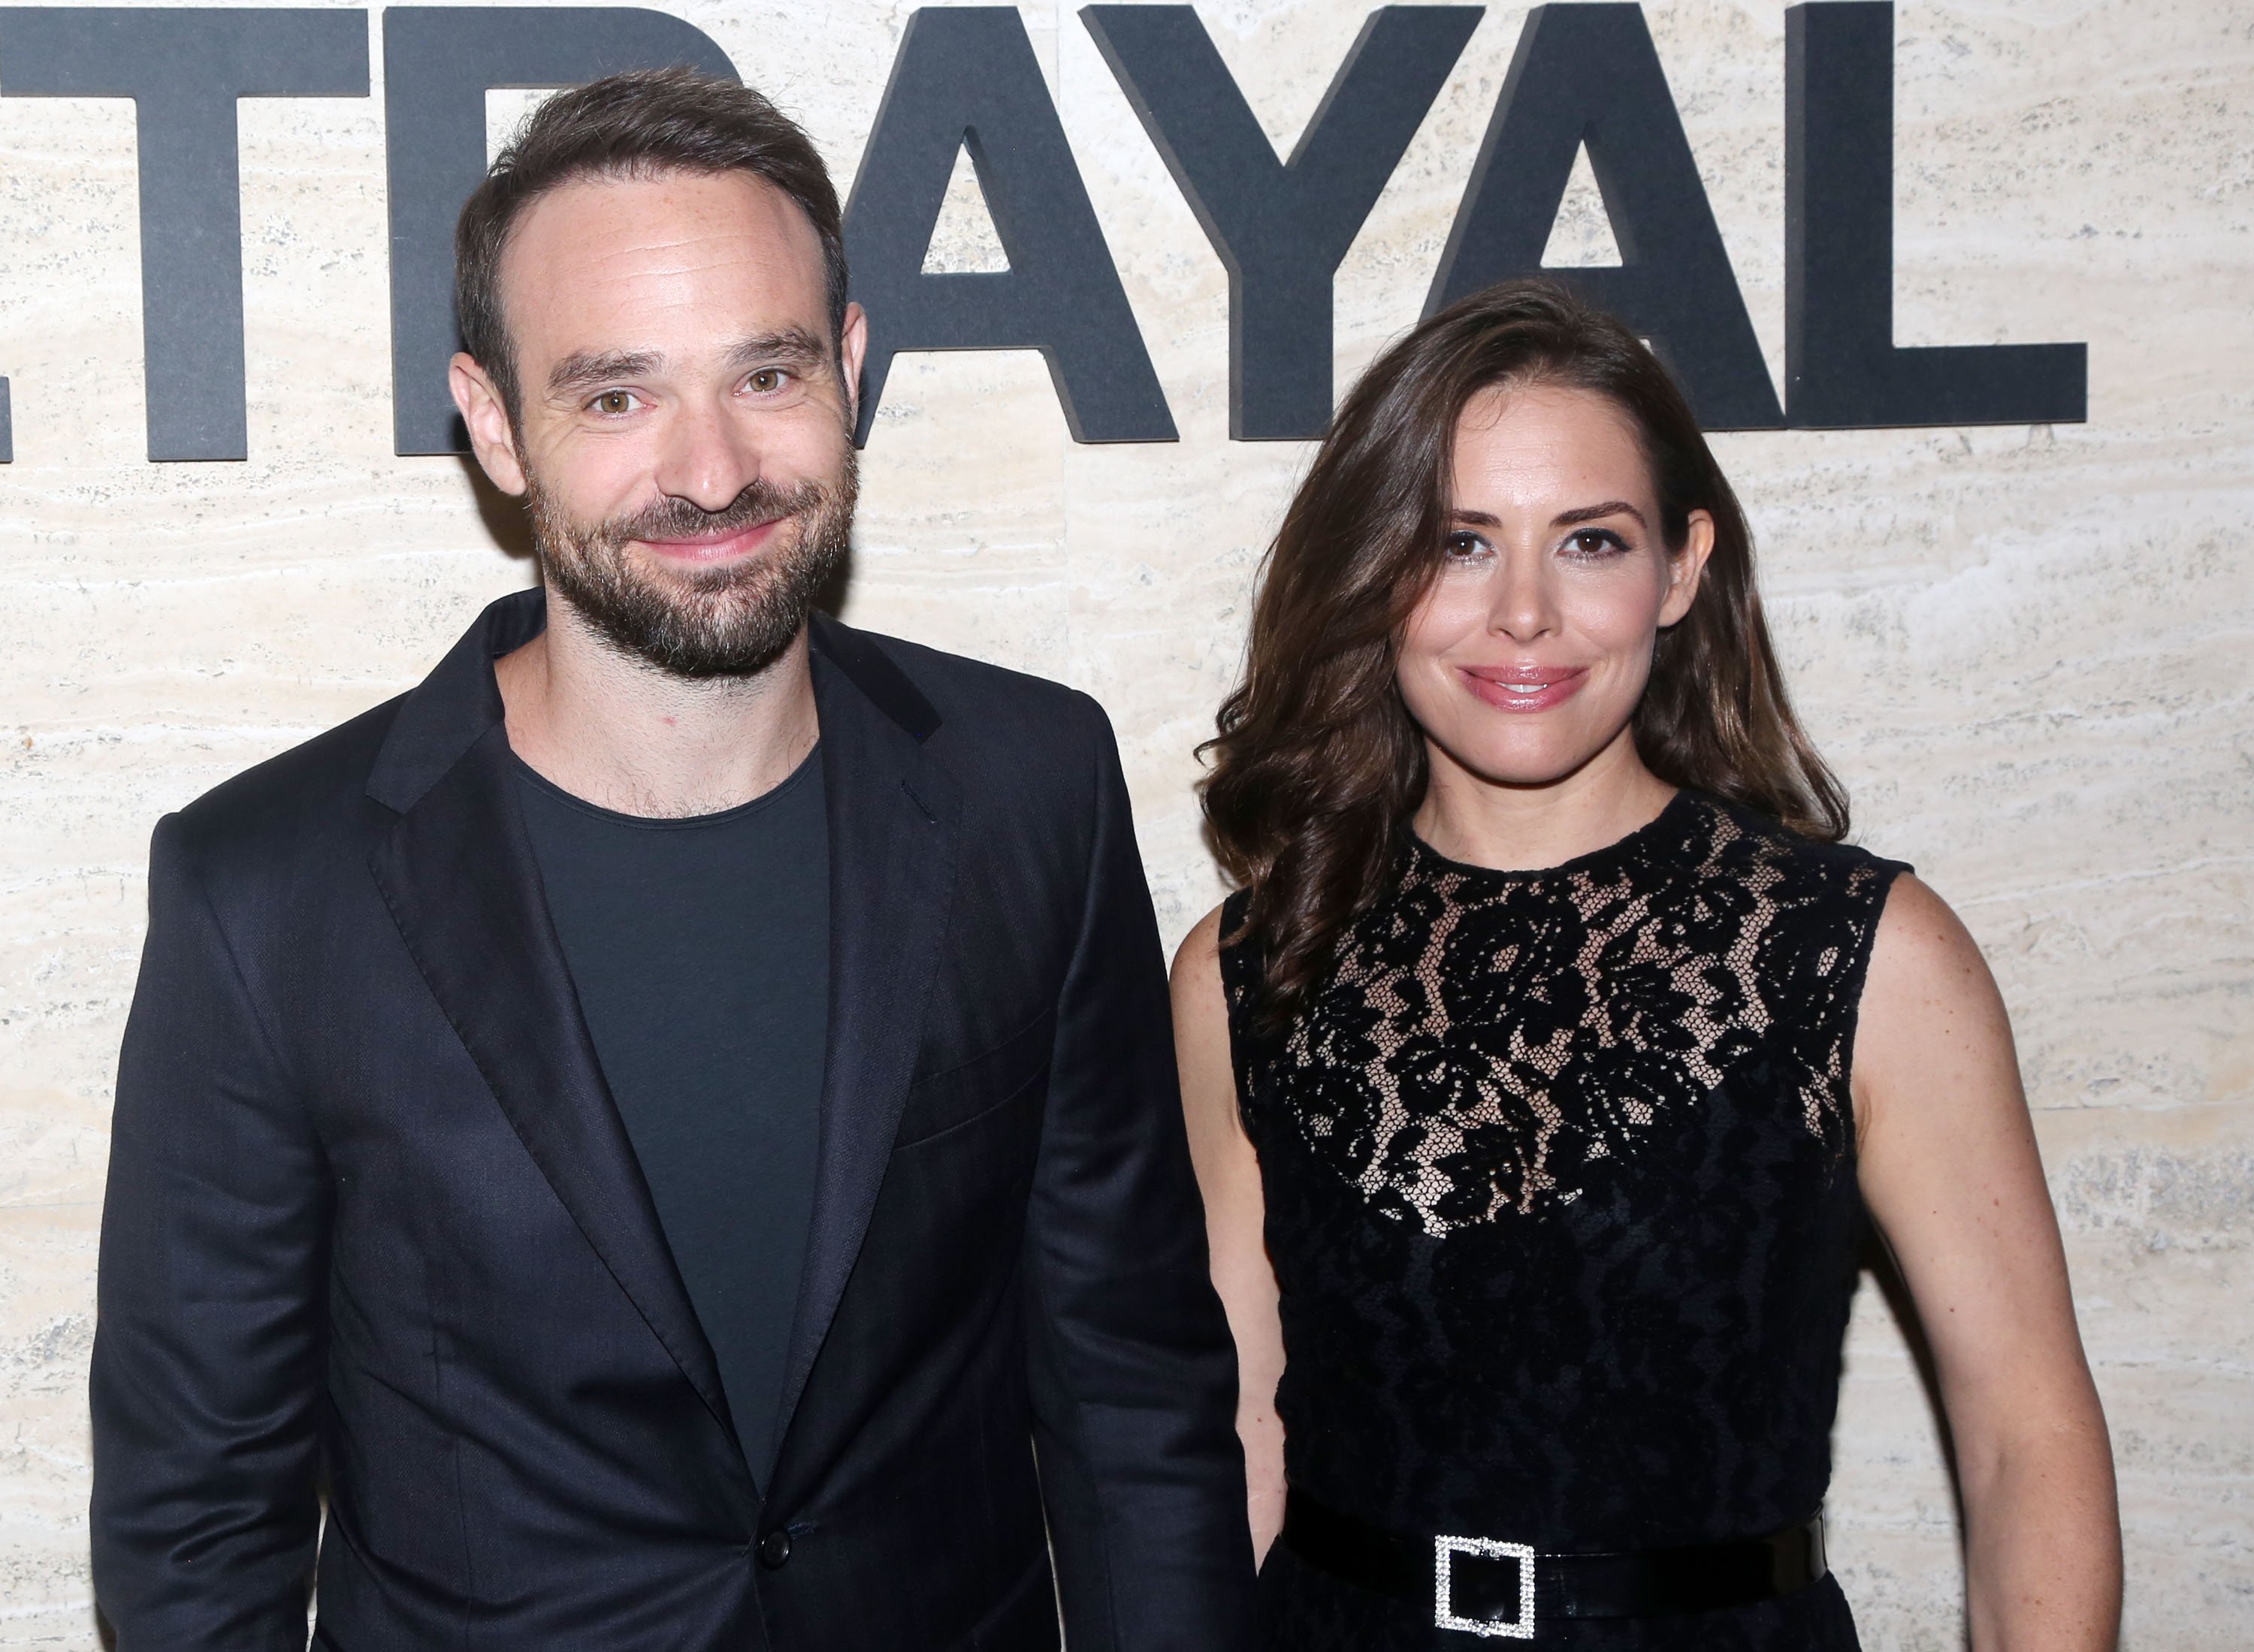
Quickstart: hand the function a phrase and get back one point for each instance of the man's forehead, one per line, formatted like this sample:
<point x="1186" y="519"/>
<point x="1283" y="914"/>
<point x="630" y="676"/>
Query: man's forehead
<point x="672" y="230"/>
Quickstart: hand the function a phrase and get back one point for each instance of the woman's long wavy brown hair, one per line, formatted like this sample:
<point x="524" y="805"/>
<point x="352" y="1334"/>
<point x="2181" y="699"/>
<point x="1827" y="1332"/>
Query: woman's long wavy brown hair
<point x="1318" y="765"/>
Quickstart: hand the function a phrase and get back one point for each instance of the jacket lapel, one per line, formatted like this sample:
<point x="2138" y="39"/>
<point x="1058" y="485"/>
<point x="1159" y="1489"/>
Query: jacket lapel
<point x="457" y="871"/>
<point x="893" y="820"/>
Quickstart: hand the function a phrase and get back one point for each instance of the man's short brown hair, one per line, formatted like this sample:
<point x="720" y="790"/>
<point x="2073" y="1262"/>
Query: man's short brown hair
<point x="641" y="125"/>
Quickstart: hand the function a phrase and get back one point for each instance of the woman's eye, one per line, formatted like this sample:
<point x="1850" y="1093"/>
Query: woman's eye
<point x="1594" y="541"/>
<point x="1464" y="547"/>
<point x="767" y="381"/>
<point x="615" y="401"/>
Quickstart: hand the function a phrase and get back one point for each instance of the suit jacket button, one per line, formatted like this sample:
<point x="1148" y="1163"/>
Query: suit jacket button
<point x="774" y="1548"/>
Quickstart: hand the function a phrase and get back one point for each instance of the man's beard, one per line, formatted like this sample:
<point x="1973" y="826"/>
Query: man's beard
<point x="732" y="620"/>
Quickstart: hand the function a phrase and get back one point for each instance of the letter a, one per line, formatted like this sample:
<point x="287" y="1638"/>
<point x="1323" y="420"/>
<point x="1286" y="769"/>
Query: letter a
<point x="1589" y="75"/>
<point x="966" y="78"/>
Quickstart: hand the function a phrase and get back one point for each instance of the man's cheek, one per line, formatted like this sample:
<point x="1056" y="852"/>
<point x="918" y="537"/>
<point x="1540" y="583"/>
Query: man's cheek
<point x="812" y="441"/>
<point x="601" y="485"/>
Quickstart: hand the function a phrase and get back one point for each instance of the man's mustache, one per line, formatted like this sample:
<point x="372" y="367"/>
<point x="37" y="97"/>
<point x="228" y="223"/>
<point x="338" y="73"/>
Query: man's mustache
<point x="676" y="518"/>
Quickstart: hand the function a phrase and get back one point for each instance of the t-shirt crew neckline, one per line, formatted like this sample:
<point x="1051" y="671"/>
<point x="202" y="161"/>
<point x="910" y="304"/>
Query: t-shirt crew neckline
<point x="774" y="795"/>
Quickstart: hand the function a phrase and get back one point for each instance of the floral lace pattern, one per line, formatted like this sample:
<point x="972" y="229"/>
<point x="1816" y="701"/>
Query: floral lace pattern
<point x="1486" y="1036"/>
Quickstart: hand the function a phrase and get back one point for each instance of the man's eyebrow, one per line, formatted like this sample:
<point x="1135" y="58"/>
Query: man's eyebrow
<point x="1595" y="513"/>
<point x="792" y="346"/>
<point x="583" y="370"/>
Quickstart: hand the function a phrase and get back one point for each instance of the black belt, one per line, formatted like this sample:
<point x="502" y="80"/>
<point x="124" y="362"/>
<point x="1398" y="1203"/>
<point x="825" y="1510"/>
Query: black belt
<point x="1491" y="1588"/>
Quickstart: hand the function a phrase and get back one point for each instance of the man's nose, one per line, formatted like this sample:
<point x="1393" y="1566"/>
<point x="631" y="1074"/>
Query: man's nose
<point x="708" y="458"/>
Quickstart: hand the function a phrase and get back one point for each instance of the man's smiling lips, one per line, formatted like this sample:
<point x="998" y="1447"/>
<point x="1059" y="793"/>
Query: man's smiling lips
<point x="707" y="549"/>
<point x="1524" y="688"/>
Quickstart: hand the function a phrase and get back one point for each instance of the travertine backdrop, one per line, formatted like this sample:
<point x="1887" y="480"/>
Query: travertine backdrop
<point x="2027" y="649"/>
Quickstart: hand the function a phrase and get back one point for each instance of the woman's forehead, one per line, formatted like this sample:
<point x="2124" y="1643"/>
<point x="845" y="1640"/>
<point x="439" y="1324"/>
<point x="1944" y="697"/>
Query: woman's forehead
<point x="1525" y="446"/>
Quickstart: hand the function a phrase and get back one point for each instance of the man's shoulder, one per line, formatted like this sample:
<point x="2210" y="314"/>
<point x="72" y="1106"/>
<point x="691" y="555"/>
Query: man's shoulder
<point x="983" y="706"/>
<point x="312" y="794"/>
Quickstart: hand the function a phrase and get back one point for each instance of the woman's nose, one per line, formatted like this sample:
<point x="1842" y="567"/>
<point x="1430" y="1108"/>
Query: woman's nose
<point x="1524" y="605"/>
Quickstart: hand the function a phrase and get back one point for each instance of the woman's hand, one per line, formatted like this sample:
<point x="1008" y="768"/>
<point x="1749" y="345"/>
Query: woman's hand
<point x="1235" y="1215"/>
<point x="1950" y="1173"/>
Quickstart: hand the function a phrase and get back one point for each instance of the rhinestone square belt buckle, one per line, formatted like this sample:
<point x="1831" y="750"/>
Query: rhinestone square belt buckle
<point x="1445" y="1549"/>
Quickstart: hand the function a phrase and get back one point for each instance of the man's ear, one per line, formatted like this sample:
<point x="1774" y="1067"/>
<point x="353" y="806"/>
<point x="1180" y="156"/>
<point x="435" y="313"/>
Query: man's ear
<point x="852" y="348"/>
<point x="1686" y="567"/>
<point x="487" y="415"/>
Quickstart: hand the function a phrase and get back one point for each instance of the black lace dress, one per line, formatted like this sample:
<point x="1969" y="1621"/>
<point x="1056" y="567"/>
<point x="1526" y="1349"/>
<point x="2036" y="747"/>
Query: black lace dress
<point x="1560" y="1182"/>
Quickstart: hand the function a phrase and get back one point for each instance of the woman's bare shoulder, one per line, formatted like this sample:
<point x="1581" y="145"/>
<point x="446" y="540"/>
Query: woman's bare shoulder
<point x="1198" y="956"/>
<point x="1922" y="957"/>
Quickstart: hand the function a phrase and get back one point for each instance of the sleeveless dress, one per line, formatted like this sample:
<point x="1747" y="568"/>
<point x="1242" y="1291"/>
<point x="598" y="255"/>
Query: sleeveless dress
<point x="1560" y="1181"/>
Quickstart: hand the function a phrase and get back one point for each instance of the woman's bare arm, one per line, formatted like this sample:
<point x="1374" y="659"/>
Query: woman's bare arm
<point x="1229" y="1176"/>
<point x="1950" y="1172"/>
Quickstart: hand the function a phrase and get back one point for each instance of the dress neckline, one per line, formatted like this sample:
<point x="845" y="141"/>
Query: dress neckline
<point x="1671" y="825"/>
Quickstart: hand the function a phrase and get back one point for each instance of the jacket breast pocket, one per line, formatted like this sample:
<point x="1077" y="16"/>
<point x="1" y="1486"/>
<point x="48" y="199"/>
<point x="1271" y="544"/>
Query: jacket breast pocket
<point x="962" y="1093"/>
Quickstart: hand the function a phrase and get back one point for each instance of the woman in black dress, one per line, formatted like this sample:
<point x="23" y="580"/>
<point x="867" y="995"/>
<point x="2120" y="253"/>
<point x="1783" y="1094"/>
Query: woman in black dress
<point x="1543" y="1066"/>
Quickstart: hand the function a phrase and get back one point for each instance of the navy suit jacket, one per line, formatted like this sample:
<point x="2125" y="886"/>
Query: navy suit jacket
<point x="375" y="1234"/>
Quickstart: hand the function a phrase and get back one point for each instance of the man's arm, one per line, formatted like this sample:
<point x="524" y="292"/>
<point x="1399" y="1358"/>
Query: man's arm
<point x="208" y="1351"/>
<point x="1133" y="1374"/>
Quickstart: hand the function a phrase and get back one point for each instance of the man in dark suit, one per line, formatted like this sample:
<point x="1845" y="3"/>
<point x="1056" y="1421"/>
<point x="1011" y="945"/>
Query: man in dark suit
<point x="669" y="1127"/>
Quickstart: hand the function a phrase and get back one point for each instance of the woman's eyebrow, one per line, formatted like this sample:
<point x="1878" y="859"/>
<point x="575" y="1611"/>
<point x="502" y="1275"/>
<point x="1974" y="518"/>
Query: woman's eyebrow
<point x="1595" y="513"/>
<point x="1572" y="518"/>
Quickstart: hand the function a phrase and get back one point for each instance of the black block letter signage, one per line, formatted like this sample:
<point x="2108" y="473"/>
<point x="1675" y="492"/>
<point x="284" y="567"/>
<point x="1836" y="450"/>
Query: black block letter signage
<point x="1842" y="369"/>
<point x="184" y="68"/>
<point x="1280" y="227"/>
<point x="438" y="63"/>
<point x="1590" y="74"/>
<point x="966" y="78"/>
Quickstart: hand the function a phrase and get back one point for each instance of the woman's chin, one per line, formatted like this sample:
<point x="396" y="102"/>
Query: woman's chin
<point x="1529" y="759"/>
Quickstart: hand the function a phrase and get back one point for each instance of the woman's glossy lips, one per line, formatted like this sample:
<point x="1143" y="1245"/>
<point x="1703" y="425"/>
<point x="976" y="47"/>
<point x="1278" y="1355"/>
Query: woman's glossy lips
<point x="1524" y="688"/>
<point x="714" y="548"/>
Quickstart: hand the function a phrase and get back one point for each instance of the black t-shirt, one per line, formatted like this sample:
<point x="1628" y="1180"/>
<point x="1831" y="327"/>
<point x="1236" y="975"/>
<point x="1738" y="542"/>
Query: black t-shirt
<point x="700" y="948"/>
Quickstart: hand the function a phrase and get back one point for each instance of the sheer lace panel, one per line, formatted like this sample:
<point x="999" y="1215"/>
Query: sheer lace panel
<point x="1486" y="1037"/>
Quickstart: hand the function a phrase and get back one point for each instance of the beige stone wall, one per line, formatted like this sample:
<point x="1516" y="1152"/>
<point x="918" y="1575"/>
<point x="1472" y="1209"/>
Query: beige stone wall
<point x="2027" y="650"/>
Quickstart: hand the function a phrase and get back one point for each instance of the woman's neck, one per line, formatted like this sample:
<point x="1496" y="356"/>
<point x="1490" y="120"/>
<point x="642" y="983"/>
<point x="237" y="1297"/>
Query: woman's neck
<point x="1484" y="823"/>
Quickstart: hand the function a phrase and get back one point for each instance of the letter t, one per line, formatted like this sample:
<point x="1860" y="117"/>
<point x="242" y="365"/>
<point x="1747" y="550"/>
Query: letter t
<point x="184" y="68"/>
